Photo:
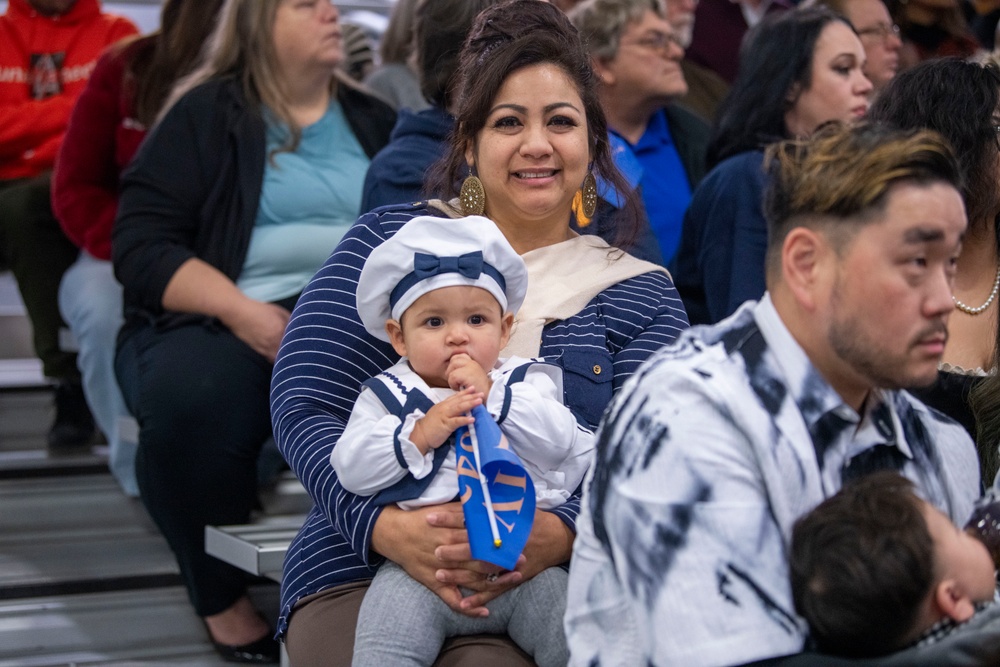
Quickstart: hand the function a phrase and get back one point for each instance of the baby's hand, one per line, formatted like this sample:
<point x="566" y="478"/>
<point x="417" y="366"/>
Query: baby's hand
<point x="463" y="373"/>
<point x="433" y="429"/>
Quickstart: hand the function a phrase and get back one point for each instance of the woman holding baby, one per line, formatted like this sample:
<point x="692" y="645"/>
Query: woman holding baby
<point x="530" y="141"/>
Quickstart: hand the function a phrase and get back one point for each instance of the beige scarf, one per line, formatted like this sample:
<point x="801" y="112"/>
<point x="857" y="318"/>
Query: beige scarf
<point x="562" y="279"/>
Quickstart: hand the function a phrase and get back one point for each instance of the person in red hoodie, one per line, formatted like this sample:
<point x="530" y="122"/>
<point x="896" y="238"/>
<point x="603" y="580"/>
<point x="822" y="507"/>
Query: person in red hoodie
<point x="126" y="91"/>
<point x="48" y="49"/>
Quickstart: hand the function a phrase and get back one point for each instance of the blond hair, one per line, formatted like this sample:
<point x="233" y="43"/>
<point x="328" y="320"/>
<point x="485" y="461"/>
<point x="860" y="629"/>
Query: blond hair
<point x="242" y="46"/>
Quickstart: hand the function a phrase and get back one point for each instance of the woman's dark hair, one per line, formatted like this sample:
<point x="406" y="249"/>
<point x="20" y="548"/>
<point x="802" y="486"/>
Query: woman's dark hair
<point x="508" y="37"/>
<point x="440" y="29"/>
<point x="959" y="99"/>
<point x="167" y="55"/>
<point x="776" y="60"/>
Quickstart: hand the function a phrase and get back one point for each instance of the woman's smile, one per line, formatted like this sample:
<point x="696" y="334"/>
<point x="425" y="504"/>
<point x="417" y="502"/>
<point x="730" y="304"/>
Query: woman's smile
<point x="532" y="154"/>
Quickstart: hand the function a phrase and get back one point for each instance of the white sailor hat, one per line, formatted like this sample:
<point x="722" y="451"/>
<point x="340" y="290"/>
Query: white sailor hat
<point x="429" y="253"/>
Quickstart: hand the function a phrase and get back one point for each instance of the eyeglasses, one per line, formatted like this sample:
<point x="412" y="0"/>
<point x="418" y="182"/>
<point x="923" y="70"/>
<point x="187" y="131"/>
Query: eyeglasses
<point x="881" y="30"/>
<point x="656" y="41"/>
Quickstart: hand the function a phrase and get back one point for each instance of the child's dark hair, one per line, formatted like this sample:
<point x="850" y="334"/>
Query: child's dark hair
<point x="862" y="564"/>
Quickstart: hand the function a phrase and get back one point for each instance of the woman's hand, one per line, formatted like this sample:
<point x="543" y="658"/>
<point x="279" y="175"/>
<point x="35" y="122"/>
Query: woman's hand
<point x="411" y="539"/>
<point x="199" y="287"/>
<point x="258" y="324"/>
<point x="431" y="544"/>
<point x="550" y="544"/>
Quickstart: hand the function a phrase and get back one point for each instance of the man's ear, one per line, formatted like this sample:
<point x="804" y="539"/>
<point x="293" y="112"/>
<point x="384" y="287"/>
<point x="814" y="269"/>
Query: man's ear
<point x="506" y="324"/>
<point x="395" y="331"/>
<point x="792" y="96"/>
<point x="802" y="264"/>
<point x="953" y="602"/>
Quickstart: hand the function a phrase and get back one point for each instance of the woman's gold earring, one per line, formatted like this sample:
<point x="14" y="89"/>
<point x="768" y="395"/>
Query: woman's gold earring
<point x="589" y="191"/>
<point x="472" y="196"/>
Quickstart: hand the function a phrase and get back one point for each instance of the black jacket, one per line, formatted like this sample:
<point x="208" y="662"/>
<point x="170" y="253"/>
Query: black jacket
<point x="194" y="186"/>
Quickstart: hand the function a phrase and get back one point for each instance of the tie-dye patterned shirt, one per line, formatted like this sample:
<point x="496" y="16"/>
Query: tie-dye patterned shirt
<point x="705" y="459"/>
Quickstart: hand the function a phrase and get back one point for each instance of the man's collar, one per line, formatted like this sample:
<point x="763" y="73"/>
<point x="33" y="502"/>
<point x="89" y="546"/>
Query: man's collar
<point x="815" y="397"/>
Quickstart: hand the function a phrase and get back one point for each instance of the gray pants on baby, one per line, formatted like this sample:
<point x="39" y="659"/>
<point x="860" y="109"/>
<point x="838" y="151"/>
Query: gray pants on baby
<point x="402" y="622"/>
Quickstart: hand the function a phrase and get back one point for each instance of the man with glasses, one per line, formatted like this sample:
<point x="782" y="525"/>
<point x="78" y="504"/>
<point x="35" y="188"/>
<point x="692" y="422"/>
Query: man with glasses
<point x="658" y="145"/>
<point x="879" y="35"/>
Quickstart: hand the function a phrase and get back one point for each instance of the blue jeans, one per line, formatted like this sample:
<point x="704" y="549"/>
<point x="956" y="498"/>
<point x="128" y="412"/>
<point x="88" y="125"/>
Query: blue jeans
<point x="90" y="300"/>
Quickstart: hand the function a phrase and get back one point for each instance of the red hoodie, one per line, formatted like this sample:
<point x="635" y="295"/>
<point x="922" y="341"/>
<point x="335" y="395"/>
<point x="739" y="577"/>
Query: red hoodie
<point x="44" y="65"/>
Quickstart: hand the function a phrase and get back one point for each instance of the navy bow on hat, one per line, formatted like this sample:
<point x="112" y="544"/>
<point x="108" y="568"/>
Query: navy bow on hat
<point x="469" y="265"/>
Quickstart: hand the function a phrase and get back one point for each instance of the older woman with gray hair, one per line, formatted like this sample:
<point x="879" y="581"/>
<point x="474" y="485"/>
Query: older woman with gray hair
<point x="658" y="144"/>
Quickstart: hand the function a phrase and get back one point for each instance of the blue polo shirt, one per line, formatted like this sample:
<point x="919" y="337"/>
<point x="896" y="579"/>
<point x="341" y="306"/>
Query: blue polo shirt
<point x="666" y="192"/>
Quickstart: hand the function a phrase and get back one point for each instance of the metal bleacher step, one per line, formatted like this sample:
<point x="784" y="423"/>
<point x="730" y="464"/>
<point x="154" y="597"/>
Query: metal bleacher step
<point x="257" y="548"/>
<point x="24" y="419"/>
<point x="77" y="534"/>
<point x="85" y="579"/>
<point x="144" y="627"/>
<point x="131" y="628"/>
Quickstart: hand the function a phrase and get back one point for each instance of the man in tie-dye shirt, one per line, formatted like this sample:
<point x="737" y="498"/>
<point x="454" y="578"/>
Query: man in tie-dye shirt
<point x="714" y="448"/>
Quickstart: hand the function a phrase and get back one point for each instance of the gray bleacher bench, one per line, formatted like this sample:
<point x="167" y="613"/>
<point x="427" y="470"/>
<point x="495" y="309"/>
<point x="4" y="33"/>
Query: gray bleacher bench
<point x="19" y="374"/>
<point x="258" y="548"/>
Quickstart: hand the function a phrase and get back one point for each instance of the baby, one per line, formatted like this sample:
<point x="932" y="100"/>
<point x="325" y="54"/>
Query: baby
<point x="444" y="292"/>
<point x="875" y="569"/>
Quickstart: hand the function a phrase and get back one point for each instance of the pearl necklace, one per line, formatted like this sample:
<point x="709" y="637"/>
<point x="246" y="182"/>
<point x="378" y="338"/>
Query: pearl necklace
<point x="975" y="311"/>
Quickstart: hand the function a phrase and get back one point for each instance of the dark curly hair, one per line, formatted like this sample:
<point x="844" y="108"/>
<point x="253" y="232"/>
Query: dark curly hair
<point x="508" y="37"/>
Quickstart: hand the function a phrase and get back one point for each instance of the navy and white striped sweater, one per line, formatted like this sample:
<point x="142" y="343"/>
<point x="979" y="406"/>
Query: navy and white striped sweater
<point x="326" y="355"/>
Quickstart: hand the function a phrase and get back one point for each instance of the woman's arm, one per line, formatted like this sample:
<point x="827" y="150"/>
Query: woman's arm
<point x="162" y="192"/>
<point x="642" y="315"/>
<point x="198" y="287"/>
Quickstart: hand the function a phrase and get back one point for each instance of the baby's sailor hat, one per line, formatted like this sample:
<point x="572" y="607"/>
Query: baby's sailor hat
<point x="429" y="253"/>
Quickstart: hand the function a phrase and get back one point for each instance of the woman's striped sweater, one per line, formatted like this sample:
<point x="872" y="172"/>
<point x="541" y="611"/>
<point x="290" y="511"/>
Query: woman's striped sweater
<point x="326" y="355"/>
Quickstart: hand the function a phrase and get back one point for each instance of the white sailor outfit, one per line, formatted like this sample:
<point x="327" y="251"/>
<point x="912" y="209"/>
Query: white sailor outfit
<point x="375" y="454"/>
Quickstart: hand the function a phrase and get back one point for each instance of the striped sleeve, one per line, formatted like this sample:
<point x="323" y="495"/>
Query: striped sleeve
<point x="642" y="315"/>
<point x="325" y="356"/>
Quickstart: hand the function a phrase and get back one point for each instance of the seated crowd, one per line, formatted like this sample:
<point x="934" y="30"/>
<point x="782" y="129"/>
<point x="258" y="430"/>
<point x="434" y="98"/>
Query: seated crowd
<point x="459" y="297"/>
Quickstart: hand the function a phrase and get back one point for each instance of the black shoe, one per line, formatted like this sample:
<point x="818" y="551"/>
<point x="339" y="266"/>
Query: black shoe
<point x="73" y="428"/>
<point x="264" y="651"/>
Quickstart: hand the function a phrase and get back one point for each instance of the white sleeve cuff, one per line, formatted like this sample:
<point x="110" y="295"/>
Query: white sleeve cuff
<point x="419" y="465"/>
